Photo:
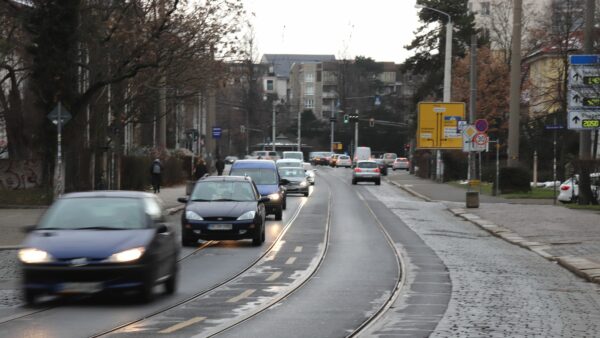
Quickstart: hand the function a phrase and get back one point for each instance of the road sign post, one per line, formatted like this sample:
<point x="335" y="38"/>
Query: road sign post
<point x="59" y="116"/>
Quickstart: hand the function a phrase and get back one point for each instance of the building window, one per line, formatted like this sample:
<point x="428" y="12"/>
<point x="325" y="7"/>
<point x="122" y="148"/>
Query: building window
<point x="270" y="85"/>
<point x="309" y="103"/>
<point x="309" y="77"/>
<point x="319" y="76"/>
<point x="485" y="8"/>
<point x="310" y="89"/>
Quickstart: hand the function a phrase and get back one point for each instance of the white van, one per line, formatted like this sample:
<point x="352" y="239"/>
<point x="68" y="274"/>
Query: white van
<point x="293" y="154"/>
<point x="362" y="154"/>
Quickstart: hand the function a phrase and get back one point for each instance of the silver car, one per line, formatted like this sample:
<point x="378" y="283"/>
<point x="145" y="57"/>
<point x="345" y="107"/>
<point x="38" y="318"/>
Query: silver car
<point x="366" y="171"/>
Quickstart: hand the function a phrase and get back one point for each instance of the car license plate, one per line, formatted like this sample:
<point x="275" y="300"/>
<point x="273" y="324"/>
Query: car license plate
<point x="85" y="287"/>
<point x="220" y="226"/>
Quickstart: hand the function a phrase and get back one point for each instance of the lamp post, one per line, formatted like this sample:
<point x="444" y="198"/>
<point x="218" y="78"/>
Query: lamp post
<point x="447" y="76"/>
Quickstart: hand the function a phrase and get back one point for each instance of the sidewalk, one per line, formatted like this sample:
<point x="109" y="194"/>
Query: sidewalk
<point x="12" y="221"/>
<point x="569" y="237"/>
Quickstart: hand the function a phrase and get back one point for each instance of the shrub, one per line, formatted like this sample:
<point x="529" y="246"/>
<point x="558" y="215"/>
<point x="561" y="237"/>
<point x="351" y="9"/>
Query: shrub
<point x="455" y="165"/>
<point x="135" y="172"/>
<point x="513" y="180"/>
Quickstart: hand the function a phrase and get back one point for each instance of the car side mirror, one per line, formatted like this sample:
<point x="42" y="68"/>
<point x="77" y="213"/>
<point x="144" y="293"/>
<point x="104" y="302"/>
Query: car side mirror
<point x="283" y="181"/>
<point x="162" y="228"/>
<point x="264" y="199"/>
<point x="182" y="199"/>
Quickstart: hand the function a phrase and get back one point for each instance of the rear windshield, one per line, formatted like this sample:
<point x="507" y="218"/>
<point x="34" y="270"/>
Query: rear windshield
<point x="260" y="176"/>
<point x="95" y="212"/>
<point x="367" y="165"/>
<point x="344" y="157"/>
<point x="389" y="156"/>
<point x="291" y="172"/>
<point x="223" y="191"/>
<point x="289" y="164"/>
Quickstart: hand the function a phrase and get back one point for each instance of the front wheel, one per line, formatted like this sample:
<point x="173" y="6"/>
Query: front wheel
<point x="284" y="205"/>
<point x="306" y="194"/>
<point x="30" y="296"/>
<point x="378" y="182"/>
<point x="353" y="182"/>
<point x="279" y="214"/>
<point x="185" y="241"/>
<point x="171" y="283"/>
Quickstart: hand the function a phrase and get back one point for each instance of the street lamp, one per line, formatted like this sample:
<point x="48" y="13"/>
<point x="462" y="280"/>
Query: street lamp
<point x="448" y="56"/>
<point x="447" y="75"/>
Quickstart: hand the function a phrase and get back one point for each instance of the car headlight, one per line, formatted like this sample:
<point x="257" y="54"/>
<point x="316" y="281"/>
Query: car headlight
<point x="190" y="215"/>
<point x="274" y="197"/>
<point x="129" y="255"/>
<point x="33" y="256"/>
<point x="303" y="184"/>
<point x="247" y="215"/>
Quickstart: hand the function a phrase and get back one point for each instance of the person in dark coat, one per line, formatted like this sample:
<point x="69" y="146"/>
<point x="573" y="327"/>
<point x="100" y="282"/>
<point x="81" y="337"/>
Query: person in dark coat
<point x="220" y="166"/>
<point x="156" y="172"/>
<point x="200" y="169"/>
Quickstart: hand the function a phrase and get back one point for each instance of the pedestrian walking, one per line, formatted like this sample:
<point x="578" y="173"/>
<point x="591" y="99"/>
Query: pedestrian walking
<point x="200" y="170"/>
<point x="156" y="172"/>
<point x="220" y="165"/>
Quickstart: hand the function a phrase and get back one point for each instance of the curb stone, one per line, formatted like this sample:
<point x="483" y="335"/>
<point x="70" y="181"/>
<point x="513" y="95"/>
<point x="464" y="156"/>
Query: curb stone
<point x="579" y="266"/>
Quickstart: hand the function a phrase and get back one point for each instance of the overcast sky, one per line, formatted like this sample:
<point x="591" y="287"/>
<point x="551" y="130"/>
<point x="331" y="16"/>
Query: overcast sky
<point x="346" y="28"/>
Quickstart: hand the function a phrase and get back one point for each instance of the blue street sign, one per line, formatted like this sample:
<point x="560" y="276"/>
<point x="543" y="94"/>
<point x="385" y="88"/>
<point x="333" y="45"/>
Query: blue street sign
<point x="216" y="132"/>
<point x="584" y="59"/>
<point x="553" y="126"/>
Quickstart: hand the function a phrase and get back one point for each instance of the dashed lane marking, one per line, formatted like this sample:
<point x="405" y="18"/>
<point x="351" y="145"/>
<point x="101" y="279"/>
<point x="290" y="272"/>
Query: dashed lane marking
<point x="181" y="325"/>
<point x="290" y="260"/>
<point x="241" y="296"/>
<point x="274" y="276"/>
<point x="298" y="249"/>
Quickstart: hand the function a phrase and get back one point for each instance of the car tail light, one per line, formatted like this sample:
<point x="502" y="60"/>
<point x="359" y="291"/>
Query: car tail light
<point x="377" y="170"/>
<point x="357" y="170"/>
<point x="564" y="187"/>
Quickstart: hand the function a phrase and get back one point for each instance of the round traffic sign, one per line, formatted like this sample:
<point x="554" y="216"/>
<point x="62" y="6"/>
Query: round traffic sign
<point x="481" y="125"/>
<point x="481" y="139"/>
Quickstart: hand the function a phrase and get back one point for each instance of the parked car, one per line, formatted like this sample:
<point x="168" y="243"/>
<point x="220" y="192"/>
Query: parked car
<point x="366" y="171"/>
<point x="343" y="161"/>
<point x="90" y="242"/>
<point x="569" y="189"/>
<point x="222" y="208"/>
<point x="269" y="183"/>
<point x="389" y="158"/>
<point x="383" y="168"/>
<point x="297" y="182"/>
<point x="333" y="160"/>
<point x="401" y="163"/>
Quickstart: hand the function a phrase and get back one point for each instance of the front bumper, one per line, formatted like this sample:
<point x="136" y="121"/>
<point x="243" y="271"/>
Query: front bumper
<point x="57" y="279"/>
<point x="209" y="230"/>
<point x="296" y="189"/>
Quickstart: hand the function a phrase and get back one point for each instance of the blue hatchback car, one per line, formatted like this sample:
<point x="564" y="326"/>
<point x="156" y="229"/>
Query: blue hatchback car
<point x="269" y="183"/>
<point x="98" y="241"/>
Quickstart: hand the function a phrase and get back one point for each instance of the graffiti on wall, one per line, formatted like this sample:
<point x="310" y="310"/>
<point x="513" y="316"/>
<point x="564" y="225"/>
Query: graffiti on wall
<point x="20" y="174"/>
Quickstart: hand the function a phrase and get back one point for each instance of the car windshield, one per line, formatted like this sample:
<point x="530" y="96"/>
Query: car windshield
<point x="95" y="213"/>
<point x="367" y="165"/>
<point x="389" y="156"/>
<point x="259" y="176"/>
<point x="291" y="172"/>
<point x="294" y="155"/>
<point x="223" y="191"/>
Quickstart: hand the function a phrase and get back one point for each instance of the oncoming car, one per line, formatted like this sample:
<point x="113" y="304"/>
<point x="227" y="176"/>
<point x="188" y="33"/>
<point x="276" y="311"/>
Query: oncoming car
<point x="297" y="181"/>
<point x="100" y="241"/>
<point x="222" y="208"/>
<point x="265" y="176"/>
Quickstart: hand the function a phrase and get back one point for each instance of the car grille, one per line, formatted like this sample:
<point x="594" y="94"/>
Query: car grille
<point x="220" y="218"/>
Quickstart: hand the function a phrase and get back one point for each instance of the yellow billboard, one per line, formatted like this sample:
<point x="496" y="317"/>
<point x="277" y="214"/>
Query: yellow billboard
<point x="438" y="125"/>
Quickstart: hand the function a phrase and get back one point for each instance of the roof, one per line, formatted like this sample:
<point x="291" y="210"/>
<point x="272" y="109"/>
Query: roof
<point x="249" y="164"/>
<point x="224" y="178"/>
<point x="109" y="193"/>
<point x="282" y="63"/>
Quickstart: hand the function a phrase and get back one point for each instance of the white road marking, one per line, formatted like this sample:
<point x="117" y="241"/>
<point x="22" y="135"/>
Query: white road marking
<point x="290" y="260"/>
<point x="298" y="249"/>
<point x="274" y="276"/>
<point x="182" y="325"/>
<point x="241" y="296"/>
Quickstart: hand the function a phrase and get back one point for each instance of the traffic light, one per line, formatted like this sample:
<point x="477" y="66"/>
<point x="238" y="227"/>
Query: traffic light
<point x="346" y="118"/>
<point x="371" y="122"/>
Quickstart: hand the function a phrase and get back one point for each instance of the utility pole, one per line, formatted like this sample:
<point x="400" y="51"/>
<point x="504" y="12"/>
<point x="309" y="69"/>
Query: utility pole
<point x="332" y="121"/>
<point x="472" y="99"/>
<point x="356" y="131"/>
<point x="299" y="130"/>
<point x="515" y="87"/>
